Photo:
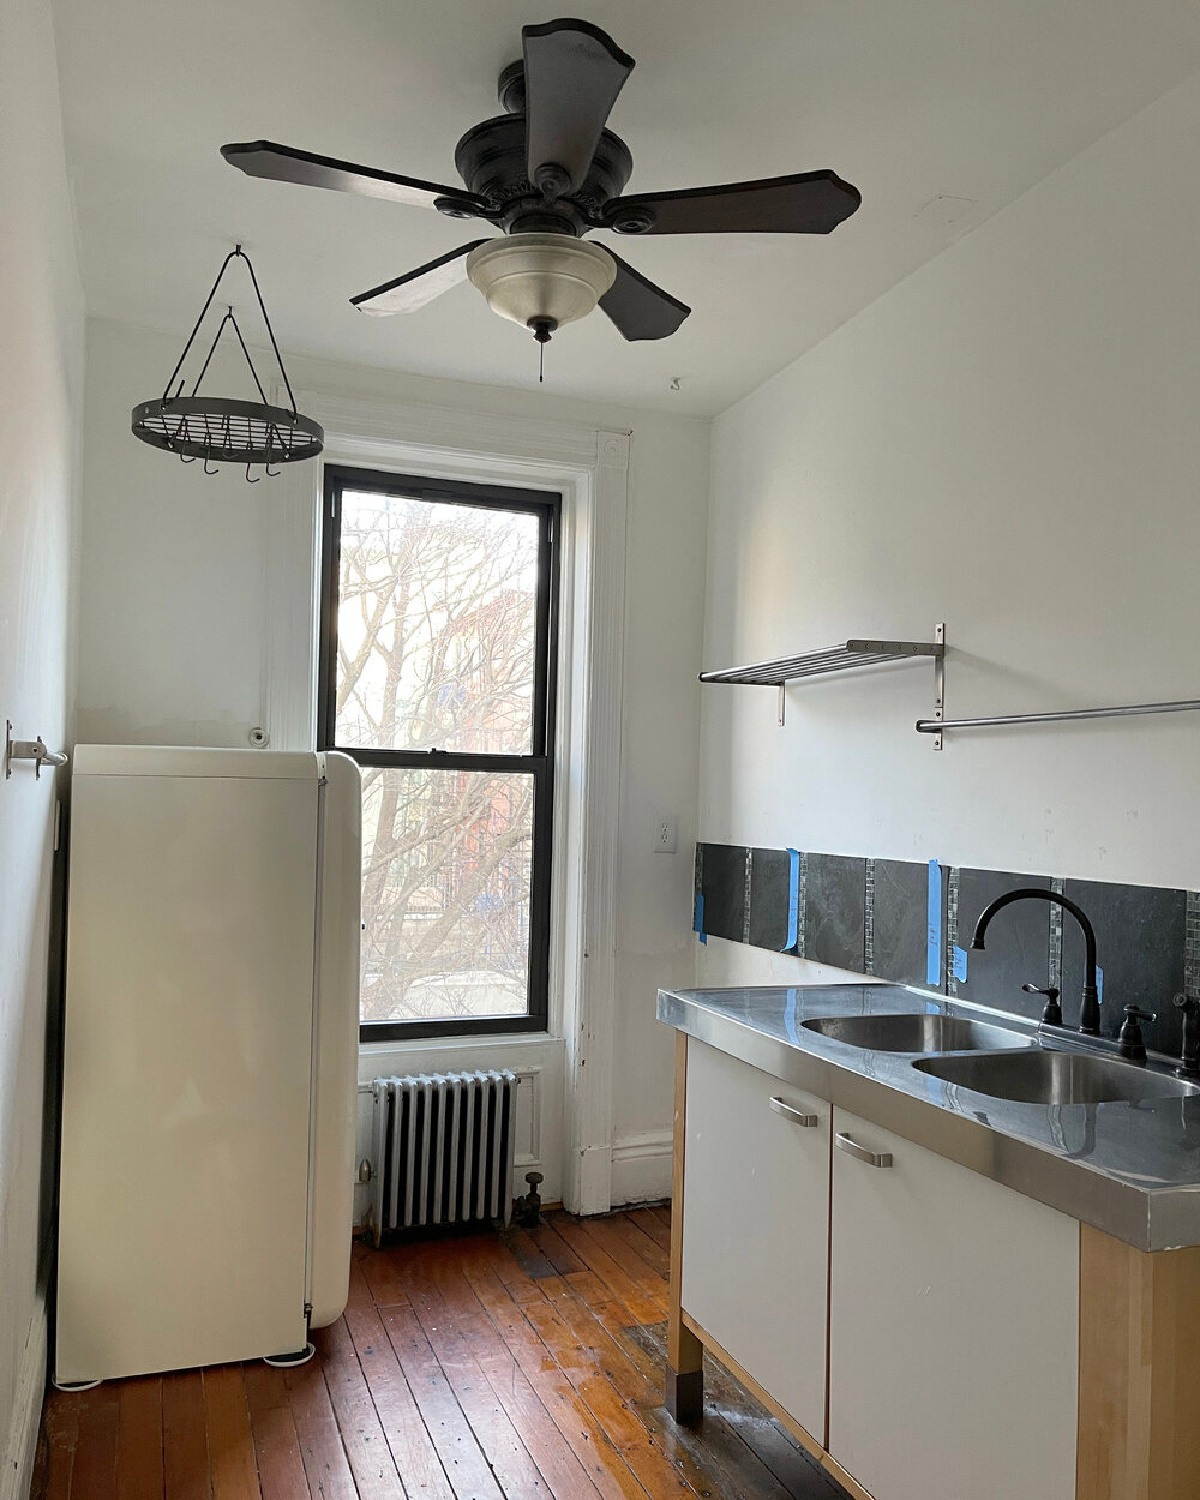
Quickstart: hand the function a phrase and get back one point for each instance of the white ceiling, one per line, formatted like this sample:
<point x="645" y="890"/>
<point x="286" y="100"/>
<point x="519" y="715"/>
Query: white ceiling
<point x="913" y="103"/>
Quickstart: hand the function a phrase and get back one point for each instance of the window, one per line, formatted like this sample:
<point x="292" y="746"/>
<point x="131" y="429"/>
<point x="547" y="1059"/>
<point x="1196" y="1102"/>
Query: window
<point x="437" y="660"/>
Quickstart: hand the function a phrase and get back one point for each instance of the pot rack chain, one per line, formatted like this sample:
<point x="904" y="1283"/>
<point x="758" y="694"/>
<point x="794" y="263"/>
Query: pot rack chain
<point x="237" y="253"/>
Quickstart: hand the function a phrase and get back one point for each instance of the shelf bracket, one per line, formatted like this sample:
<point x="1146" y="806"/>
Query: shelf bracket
<point x="939" y="681"/>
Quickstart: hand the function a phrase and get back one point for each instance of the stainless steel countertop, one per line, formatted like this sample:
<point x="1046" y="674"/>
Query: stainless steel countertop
<point x="1131" y="1170"/>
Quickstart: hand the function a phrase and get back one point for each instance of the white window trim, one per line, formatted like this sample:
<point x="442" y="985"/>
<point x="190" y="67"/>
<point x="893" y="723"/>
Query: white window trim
<point x="590" y="468"/>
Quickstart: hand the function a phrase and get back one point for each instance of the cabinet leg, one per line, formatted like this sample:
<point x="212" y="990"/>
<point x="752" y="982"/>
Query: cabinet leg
<point x="685" y="1396"/>
<point x="685" y="1372"/>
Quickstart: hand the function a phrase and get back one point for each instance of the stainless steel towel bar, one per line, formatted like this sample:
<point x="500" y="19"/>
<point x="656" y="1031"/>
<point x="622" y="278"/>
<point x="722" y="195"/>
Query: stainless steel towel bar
<point x="1063" y="716"/>
<point x="34" y="750"/>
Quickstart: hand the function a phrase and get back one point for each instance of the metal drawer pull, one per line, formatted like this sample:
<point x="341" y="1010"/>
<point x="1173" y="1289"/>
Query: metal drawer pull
<point x="851" y="1147"/>
<point x="790" y="1112"/>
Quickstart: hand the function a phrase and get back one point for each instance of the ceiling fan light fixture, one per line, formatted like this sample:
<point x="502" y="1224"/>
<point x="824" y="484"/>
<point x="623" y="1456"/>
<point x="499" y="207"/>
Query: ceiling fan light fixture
<point x="541" y="281"/>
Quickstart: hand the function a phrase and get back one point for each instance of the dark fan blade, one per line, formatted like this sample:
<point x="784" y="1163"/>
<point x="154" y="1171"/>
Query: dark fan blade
<point x="287" y="164"/>
<point x="807" y="203"/>
<point x="415" y="288"/>
<point x="638" y="308"/>
<point x="573" y="74"/>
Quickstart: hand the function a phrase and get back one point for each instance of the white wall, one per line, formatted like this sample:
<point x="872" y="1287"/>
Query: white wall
<point x="176" y="646"/>
<point x="41" y="314"/>
<point x="1008" y="441"/>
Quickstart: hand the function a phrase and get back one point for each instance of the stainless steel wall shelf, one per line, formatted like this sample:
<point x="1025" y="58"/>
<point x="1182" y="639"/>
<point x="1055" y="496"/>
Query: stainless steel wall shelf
<point x="843" y="658"/>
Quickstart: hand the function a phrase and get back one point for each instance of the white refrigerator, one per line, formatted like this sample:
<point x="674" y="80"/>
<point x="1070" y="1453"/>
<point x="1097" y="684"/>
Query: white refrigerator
<point x="210" y="1056"/>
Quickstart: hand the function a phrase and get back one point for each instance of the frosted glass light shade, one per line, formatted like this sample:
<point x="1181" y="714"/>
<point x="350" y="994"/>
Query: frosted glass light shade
<point x="541" y="278"/>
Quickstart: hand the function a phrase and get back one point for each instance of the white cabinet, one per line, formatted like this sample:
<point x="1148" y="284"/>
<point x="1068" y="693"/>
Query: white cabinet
<point x="953" y="1347"/>
<point x="756" y="1226"/>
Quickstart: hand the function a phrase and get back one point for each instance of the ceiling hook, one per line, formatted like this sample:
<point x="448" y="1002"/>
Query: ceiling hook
<point x="207" y="470"/>
<point x="249" y="480"/>
<point x="183" y="459"/>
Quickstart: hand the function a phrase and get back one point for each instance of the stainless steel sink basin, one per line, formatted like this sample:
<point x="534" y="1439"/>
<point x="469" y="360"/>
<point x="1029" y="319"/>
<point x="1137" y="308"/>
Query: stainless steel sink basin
<point x="916" y="1033"/>
<point x="1040" y="1077"/>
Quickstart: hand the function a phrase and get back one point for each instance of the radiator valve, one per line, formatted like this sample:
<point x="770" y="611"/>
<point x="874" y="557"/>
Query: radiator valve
<point x="527" y="1209"/>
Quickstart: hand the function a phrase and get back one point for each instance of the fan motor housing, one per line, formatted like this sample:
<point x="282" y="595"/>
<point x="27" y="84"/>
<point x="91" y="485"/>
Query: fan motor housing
<point x="490" y="159"/>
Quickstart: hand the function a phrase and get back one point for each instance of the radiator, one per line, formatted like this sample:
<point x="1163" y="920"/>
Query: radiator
<point x="443" y="1149"/>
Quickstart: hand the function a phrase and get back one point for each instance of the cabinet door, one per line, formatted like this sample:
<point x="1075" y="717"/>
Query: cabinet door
<point x="954" y="1329"/>
<point x="756" y="1226"/>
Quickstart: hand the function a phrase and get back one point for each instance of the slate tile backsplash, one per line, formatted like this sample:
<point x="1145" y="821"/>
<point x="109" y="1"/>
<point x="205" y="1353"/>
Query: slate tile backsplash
<point x="835" y="911"/>
<point x="723" y="886"/>
<point x="1141" y="931"/>
<point x="901" y="922"/>
<point x="1018" y="945"/>
<point x="770" y="889"/>
<point x="1141" y="942"/>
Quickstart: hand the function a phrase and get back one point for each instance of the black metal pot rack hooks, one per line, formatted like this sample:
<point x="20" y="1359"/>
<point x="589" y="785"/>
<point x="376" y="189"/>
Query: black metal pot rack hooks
<point x="220" y="429"/>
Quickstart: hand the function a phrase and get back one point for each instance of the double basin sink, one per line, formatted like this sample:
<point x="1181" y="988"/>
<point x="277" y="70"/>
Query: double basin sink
<point x="1000" y="1063"/>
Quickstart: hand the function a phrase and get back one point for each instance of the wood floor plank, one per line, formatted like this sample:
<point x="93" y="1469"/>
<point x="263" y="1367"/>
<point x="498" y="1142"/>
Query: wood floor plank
<point x="140" y="1439"/>
<point x="376" y="1476"/>
<point x="230" y="1444"/>
<point x="185" y="1437"/>
<point x="555" y="1249"/>
<point x="507" y="1455"/>
<point x="276" y="1446"/>
<point x="591" y="1444"/>
<point x="470" y="1367"/>
<point x="381" y="1270"/>
<point x="525" y="1251"/>
<point x="563" y="1470"/>
<point x="462" y="1458"/>
<point x="642" y="1245"/>
<point x="717" y="1463"/>
<point x="408" y="1439"/>
<point x="606" y="1232"/>
<point x="650" y="1224"/>
<point x="792" y="1465"/>
<point x="644" y="1456"/>
<point x="94" y="1473"/>
<point x="60" y="1434"/>
<point x="325" y="1462"/>
<point x="643" y="1306"/>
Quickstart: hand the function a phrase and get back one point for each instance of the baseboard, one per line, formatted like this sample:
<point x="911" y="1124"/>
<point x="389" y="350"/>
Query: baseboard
<point x="27" y="1412"/>
<point x="641" y="1167"/>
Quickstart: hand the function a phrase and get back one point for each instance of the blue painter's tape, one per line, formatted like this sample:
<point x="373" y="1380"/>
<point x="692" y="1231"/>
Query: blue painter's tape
<point x="793" y="927"/>
<point x="789" y="1015"/>
<point x="1100" y="984"/>
<point x="933" y="940"/>
<point x="960" y="964"/>
<point x="698" y="923"/>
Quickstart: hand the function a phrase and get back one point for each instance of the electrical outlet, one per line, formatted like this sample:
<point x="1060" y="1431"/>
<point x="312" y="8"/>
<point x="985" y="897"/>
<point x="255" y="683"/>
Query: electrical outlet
<point x="666" y="834"/>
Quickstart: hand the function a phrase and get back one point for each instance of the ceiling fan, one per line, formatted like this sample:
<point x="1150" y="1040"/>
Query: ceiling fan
<point x="546" y="173"/>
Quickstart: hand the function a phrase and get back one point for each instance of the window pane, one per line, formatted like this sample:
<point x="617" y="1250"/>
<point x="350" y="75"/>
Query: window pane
<point x="447" y="858"/>
<point x="437" y="620"/>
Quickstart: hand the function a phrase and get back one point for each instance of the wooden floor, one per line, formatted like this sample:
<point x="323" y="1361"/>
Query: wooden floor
<point x="483" y="1367"/>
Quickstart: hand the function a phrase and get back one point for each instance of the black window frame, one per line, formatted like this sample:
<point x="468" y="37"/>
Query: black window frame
<point x="547" y="506"/>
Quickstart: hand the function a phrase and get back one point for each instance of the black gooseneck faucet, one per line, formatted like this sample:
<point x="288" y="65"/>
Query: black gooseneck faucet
<point x="1089" y="1008"/>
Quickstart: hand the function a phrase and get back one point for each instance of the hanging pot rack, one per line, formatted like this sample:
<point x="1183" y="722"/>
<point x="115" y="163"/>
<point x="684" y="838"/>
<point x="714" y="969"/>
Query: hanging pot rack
<point x="221" y="429"/>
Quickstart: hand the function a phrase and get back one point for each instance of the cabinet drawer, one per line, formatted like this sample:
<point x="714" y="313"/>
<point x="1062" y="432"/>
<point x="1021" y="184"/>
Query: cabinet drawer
<point x="756" y="1226"/>
<point x="953" y="1343"/>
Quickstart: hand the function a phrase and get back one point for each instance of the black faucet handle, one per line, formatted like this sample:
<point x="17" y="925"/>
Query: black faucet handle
<point x="1129" y="1038"/>
<point x="1052" y="1015"/>
<point x="1188" y="1004"/>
